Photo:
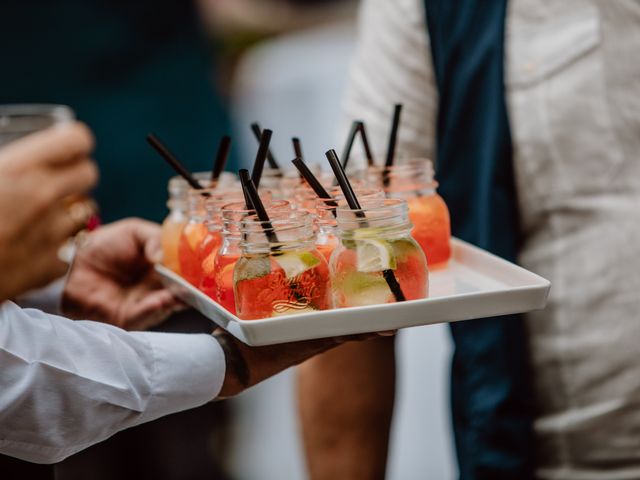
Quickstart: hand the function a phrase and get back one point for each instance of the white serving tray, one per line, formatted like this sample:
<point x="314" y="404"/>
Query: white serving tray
<point x="475" y="284"/>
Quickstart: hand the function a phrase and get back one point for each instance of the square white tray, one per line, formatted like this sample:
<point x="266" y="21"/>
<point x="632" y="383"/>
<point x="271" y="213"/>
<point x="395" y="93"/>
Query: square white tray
<point x="475" y="284"/>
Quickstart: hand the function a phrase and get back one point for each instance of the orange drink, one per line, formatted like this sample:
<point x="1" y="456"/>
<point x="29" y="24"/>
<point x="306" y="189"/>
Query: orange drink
<point x="414" y="182"/>
<point x="175" y="222"/>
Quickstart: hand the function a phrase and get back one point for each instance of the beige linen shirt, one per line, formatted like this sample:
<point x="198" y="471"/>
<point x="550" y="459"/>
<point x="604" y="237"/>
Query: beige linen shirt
<point x="573" y="93"/>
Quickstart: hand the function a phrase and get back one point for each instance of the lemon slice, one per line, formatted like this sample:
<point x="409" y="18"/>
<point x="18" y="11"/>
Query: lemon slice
<point x="295" y="263"/>
<point x="375" y="256"/>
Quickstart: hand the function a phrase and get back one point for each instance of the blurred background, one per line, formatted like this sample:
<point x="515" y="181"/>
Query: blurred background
<point x="192" y="72"/>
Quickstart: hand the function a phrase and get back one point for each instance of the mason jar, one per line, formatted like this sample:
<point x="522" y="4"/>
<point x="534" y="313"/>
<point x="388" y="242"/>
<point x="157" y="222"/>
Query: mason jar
<point x="414" y="182"/>
<point x="280" y="271"/>
<point x="178" y="204"/>
<point x="377" y="260"/>
<point x="217" y="282"/>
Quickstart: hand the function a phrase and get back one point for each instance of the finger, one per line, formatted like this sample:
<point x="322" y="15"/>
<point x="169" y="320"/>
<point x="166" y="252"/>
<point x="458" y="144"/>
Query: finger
<point x="73" y="180"/>
<point x="56" y="145"/>
<point x="43" y="268"/>
<point x="150" y="310"/>
<point x="388" y="333"/>
<point x="146" y="236"/>
<point x="63" y="223"/>
<point x="153" y="250"/>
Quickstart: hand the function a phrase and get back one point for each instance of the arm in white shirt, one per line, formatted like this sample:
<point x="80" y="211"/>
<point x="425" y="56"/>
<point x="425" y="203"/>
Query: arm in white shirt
<point x="66" y="385"/>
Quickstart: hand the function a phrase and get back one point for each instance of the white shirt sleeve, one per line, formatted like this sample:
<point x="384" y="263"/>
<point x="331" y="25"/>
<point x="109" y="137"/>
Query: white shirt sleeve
<point x="392" y="64"/>
<point x="66" y="385"/>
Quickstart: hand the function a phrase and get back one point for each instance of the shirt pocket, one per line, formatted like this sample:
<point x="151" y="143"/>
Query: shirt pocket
<point x="564" y="140"/>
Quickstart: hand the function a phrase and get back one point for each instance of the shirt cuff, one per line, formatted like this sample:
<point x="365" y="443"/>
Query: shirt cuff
<point x="188" y="372"/>
<point x="47" y="299"/>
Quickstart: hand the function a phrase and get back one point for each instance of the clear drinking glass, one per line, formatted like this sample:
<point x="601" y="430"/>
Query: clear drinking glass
<point x="18" y="120"/>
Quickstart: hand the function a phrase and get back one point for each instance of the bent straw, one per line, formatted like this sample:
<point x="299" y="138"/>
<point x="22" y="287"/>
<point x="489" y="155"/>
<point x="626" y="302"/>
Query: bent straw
<point x="252" y="198"/>
<point x="257" y="132"/>
<point x="297" y="147"/>
<point x="355" y="128"/>
<point x="263" y="149"/>
<point x="393" y="136"/>
<point x="315" y="185"/>
<point x="173" y="162"/>
<point x="365" y="143"/>
<point x="353" y="203"/>
<point x="243" y="174"/>
<point x="221" y="158"/>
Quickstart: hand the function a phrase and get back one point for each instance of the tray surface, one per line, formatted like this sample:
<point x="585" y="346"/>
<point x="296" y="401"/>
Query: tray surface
<point x="475" y="284"/>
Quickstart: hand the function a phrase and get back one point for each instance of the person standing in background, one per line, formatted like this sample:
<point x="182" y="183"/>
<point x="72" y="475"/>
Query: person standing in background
<point x="126" y="67"/>
<point x="531" y="110"/>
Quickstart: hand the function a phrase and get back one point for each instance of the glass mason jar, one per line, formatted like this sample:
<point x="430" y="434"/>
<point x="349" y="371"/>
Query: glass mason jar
<point x="414" y="182"/>
<point x="178" y="204"/>
<point x="326" y="227"/>
<point x="219" y="284"/>
<point x="376" y="242"/>
<point x="283" y="275"/>
<point x="174" y="222"/>
<point x="196" y="239"/>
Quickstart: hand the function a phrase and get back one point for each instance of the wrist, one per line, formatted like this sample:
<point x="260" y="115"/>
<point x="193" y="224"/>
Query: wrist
<point x="237" y="374"/>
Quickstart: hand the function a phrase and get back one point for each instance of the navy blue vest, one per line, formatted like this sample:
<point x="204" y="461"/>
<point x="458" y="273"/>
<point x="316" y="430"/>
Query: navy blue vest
<point x="490" y="382"/>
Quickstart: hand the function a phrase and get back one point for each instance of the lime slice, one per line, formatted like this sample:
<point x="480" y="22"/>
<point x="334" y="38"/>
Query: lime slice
<point x="360" y="289"/>
<point x="367" y="233"/>
<point x="295" y="263"/>
<point x="254" y="267"/>
<point x="375" y="256"/>
<point x="404" y="248"/>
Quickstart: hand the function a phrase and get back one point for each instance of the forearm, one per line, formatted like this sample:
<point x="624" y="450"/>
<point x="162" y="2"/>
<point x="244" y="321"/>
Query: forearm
<point x="66" y="385"/>
<point x="346" y="401"/>
<point x="247" y="366"/>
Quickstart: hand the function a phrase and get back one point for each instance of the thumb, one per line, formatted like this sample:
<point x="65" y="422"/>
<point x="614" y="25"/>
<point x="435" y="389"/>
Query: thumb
<point x="153" y="250"/>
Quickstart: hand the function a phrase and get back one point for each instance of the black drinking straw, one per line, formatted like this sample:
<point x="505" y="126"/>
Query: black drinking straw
<point x="221" y="158"/>
<point x="257" y="132"/>
<point x="346" y="153"/>
<point x="243" y="174"/>
<point x="365" y="143"/>
<point x="263" y="149"/>
<point x="393" y="136"/>
<point x="173" y="161"/>
<point x="315" y="185"/>
<point x="297" y="147"/>
<point x="353" y="203"/>
<point x="252" y="198"/>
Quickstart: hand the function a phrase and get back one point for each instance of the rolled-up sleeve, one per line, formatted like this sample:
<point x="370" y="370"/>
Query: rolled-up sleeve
<point x="66" y="385"/>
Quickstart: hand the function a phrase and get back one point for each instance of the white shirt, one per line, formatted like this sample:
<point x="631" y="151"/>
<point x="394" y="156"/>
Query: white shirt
<point x="573" y="94"/>
<point x="66" y="385"/>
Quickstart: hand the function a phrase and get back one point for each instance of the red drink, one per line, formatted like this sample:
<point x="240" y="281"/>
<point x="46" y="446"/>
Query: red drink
<point x="276" y="291"/>
<point x="377" y="241"/>
<point x="223" y="281"/>
<point x="431" y="228"/>
<point x="217" y="281"/>
<point x="282" y="274"/>
<point x="191" y="238"/>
